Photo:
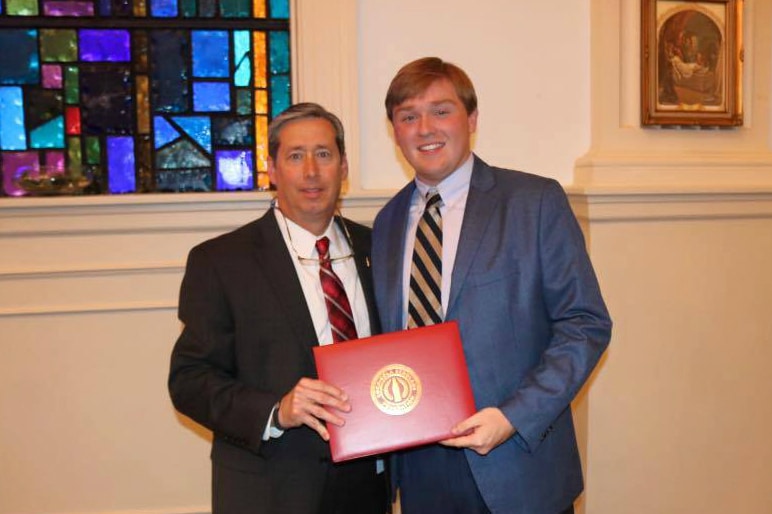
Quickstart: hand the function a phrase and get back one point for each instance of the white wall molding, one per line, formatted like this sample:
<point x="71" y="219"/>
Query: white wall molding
<point x="136" y="214"/>
<point x="610" y="204"/>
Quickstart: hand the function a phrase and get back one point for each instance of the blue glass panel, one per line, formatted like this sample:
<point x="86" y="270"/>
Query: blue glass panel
<point x="241" y="49"/>
<point x="105" y="7"/>
<point x="211" y="54"/>
<point x="48" y="135"/>
<point x="12" y="136"/>
<point x="105" y="45"/>
<point x="22" y="65"/>
<point x="234" y="170"/>
<point x="280" y="94"/>
<point x="280" y="9"/>
<point x="211" y="96"/>
<point x="169" y="87"/>
<point x="199" y="128"/>
<point x="280" y="56"/>
<point x="121" y="176"/>
<point x="163" y="8"/>
<point x="164" y="133"/>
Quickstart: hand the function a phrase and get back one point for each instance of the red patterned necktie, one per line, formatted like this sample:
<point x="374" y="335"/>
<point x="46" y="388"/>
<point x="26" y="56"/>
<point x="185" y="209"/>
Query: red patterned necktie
<point x="338" y="308"/>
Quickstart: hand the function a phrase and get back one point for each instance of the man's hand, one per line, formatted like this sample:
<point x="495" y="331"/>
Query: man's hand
<point x="305" y="405"/>
<point x="481" y="432"/>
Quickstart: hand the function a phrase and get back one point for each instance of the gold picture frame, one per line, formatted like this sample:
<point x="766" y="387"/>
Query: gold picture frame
<point x="691" y="63"/>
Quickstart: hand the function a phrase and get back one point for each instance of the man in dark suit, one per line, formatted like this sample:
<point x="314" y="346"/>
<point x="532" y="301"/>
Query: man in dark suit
<point x="516" y="276"/>
<point x="253" y="305"/>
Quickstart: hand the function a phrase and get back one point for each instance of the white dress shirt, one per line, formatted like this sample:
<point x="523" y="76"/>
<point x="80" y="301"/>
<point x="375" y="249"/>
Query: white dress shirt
<point x="302" y="243"/>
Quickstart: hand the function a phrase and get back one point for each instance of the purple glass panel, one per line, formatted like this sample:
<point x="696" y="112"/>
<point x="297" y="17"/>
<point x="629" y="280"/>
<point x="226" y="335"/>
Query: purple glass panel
<point x="55" y="159"/>
<point x="121" y="176"/>
<point x="68" y="8"/>
<point x="105" y="45"/>
<point x="15" y="163"/>
<point x="52" y="76"/>
<point x="234" y="170"/>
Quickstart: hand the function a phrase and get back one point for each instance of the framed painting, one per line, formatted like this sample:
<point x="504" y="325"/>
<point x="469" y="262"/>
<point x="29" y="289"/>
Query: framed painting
<point x="691" y="63"/>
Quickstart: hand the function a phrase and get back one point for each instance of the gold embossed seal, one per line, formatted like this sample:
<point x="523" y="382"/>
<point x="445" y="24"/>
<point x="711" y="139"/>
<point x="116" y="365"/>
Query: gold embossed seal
<point x="395" y="389"/>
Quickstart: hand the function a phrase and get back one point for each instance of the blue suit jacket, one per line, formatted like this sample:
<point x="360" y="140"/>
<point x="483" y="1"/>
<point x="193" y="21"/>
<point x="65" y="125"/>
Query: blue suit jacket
<point x="532" y="320"/>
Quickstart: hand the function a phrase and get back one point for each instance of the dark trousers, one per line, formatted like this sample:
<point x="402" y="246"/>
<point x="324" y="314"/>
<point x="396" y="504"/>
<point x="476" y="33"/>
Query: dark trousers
<point x="438" y="479"/>
<point x="354" y="488"/>
<point x="349" y="488"/>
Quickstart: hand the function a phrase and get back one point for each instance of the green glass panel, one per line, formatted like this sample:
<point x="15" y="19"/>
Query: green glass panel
<point x="188" y="8"/>
<point x="22" y="7"/>
<point x="58" y="45"/>
<point x="93" y="150"/>
<point x="73" y="153"/>
<point x="71" y="88"/>
<point x="235" y="8"/>
<point x="244" y="101"/>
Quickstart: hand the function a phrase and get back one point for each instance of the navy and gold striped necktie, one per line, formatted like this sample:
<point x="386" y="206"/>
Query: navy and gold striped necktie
<point x="425" y="299"/>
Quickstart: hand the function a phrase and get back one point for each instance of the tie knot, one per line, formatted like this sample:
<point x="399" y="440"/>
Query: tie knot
<point x="323" y="248"/>
<point x="433" y="199"/>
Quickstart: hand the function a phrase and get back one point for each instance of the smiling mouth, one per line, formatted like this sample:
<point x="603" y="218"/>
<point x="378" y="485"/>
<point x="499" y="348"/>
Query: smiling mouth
<point x="430" y="147"/>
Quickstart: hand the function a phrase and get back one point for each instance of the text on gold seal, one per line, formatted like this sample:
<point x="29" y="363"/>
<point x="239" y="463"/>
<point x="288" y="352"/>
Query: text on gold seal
<point x="395" y="389"/>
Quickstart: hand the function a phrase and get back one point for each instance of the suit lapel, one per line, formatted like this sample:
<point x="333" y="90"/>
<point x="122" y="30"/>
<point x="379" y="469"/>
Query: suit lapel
<point x="361" y="247"/>
<point x="477" y="215"/>
<point x="395" y="246"/>
<point x="275" y="259"/>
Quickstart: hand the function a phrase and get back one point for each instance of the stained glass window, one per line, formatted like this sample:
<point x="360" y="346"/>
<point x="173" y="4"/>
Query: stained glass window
<point x="140" y="96"/>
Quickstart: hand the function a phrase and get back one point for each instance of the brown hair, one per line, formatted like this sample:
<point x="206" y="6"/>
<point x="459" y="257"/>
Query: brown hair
<point x="415" y="77"/>
<point x="302" y="111"/>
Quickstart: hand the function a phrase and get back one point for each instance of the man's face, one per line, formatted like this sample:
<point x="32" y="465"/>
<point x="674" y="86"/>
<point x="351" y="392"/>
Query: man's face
<point x="434" y="131"/>
<point x="308" y="172"/>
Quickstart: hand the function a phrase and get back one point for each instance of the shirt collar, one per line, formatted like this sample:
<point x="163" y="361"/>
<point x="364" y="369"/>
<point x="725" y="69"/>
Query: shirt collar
<point x="303" y="241"/>
<point x="453" y="186"/>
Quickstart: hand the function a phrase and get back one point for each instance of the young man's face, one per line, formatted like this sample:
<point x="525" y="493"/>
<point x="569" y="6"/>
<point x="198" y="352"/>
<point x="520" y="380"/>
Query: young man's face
<point x="434" y="131"/>
<point x="308" y="172"/>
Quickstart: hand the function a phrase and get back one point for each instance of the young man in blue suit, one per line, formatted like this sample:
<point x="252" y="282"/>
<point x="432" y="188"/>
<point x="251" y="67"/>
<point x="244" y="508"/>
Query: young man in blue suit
<point x="516" y="276"/>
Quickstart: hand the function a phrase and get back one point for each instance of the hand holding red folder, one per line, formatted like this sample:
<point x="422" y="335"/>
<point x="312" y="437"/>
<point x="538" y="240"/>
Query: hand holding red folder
<point x="481" y="432"/>
<point x="313" y="403"/>
<point x="406" y="389"/>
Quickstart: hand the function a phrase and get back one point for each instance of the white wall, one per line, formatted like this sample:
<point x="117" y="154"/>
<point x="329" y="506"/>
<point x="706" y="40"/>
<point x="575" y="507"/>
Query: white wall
<point x="679" y="225"/>
<point x="529" y="62"/>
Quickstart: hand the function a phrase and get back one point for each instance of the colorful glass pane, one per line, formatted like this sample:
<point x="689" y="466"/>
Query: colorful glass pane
<point x="104" y="45"/>
<point x="234" y="170"/>
<point x="22" y="7"/>
<point x="152" y="102"/>
<point x="67" y="8"/>
<point x="280" y="9"/>
<point x="20" y="66"/>
<point x="12" y="133"/>
<point x="211" y="56"/>
<point x="120" y="165"/>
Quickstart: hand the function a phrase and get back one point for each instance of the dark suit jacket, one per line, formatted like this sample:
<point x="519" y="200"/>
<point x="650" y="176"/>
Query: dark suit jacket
<point x="532" y="321"/>
<point x="246" y="341"/>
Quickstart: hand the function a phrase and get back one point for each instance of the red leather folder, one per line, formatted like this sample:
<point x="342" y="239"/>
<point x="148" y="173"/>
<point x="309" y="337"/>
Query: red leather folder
<point x="406" y="389"/>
